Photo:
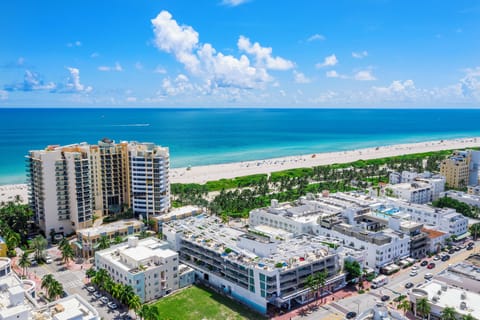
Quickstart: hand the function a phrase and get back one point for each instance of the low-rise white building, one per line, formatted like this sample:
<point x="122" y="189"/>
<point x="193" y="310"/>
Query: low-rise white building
<point x="148" y="265"/>
<point x="436" y="182"/>
<point x="414" y="192"/>
<point x="470" y="199"/>
<point x="17" y="301"/>
<point x="253" y="268"/>
<point x="440" y="295"/>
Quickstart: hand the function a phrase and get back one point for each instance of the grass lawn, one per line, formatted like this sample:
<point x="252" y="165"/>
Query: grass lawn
<point x="197" y="303"/>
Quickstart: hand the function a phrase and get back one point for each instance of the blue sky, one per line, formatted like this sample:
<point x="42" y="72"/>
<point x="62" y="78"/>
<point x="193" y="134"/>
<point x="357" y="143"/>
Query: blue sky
<point x="240" y="53"/>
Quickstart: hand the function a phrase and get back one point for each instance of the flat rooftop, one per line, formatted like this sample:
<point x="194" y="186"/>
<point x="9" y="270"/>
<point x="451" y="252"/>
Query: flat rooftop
<point x="179" y="212"/>
<point x="208" y="232"/>
<point x="109" y="227"/>
<point x="450" y="296"/>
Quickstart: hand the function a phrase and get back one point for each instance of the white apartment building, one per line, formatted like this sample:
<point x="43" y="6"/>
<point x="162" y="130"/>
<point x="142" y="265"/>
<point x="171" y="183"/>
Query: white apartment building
<point x="435" y="182"/>
<point x="148" y="265"/>
<point x="327" y="216"/>
<point x="17" y="301"/>
<point x="60" y="188"/>
<point x="252" y="268"/>
<point x="150" y="185"/>
<point x="70" y="183"/>
<point x="414" y="192"/>
<point x="443" y="219"/>
<point x="441" y="295"/>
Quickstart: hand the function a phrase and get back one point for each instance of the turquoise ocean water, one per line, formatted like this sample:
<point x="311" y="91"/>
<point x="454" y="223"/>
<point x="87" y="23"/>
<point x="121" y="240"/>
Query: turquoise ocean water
<point x="211" y="136"/>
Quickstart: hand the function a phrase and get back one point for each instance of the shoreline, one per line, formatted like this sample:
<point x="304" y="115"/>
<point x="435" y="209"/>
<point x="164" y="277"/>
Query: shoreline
<point x="202" y="174"/>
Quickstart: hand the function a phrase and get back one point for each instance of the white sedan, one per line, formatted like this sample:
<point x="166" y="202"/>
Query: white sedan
<point x="413" y="273"/>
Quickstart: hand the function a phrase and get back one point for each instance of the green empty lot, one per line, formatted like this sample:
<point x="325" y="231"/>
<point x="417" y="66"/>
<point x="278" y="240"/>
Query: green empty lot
<point x="198" y="303"/>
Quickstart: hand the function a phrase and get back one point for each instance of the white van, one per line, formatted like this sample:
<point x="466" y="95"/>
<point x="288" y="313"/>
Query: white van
<point x="379" y="281"/>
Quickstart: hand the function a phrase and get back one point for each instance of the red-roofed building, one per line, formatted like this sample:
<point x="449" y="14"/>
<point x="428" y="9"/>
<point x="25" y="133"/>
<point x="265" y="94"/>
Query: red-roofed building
<point x="436" y="239"/>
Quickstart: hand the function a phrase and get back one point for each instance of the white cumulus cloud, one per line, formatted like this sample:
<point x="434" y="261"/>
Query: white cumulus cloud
<point x="335" y="74"/>
<point x="215" y="69"/>
<point x="263" y="55"/>
<point x="364" y="75"/>
<point x="74" y="44"/>
<point x="360" y="55"/>
<point x="300" y="77"/>
<point x="329" y="61"/>
<point x="234" y="3"/>
<point x="73" y="82"/>
<point x="117" y="67"/>
<point x="316" y="37"/>
<point x="32" y="81"/>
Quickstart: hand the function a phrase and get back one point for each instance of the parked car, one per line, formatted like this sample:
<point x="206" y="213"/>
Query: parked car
<point x="415" y="267"/>
<point x="451" y="251"/>
<point x="385" y="298"/>
<point x="428" y="276"/>
<point x="445" y="257"/>
<point x="424" y="263"/>
<point x="48" y="260"/>
<point x="97" y="294"/>
<point x="470" y="248"/>
<point x="431" y="265"/>
<point x="351" y="315"/>
<point x="436" y="258"/>
<point x="112" y="305"/>
<point x="408" y="285"/>
<point x="104" y="300"/>
<point x="91" y="289"/>
<point x="470" y="244"/>
<point x="413" y="273"/>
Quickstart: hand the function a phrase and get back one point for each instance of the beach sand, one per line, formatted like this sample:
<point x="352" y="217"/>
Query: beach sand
<point x="202" y="174"/>
<point x="9" y="192"/>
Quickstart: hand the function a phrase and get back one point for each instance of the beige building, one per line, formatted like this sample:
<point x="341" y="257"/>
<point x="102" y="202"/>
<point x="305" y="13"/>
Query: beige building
<point x="88" y="239"/>
<point x="455" y="170"/>
<point x="110" y="175"/>
<point x="60" y="187"/>
<point x="68" y="184"/>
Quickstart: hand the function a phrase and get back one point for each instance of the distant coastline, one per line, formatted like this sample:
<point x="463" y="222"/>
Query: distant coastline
<point x="202" y="174"/>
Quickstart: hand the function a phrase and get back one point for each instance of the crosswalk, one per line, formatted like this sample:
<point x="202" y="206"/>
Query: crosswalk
<point x="73" y="284"/>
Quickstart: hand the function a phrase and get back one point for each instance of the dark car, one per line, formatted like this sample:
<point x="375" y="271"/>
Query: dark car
<point x="385" y="298"/>
<point x="470" y="248"/>
<point x="408" y="285"/>
<point x="471" y="244"/>
<point x="457" y="248"/>
<point x="445" y="257"/>
<point x="431" y="265"/>
<point x="451" y="251"/>
<point x="424" y="263"/>
<point x="351" y="315"/>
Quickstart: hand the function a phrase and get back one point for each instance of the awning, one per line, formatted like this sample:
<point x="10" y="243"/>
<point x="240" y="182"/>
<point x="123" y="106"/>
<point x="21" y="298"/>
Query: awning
<point x="463" y="236"/>
<point x="78" y="244"/>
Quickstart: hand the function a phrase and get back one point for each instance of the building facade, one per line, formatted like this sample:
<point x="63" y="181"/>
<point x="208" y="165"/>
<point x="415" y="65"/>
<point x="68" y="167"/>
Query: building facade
<point x="150" y="185"/>
<point x="252" y="268"/>
<point x="461" y="168"/>
<point x="148" y="265"/>
<point x="69" y="184"/>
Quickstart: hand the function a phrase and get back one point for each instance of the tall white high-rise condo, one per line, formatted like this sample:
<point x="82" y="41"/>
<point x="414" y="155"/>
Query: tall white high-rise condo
<point x="150" y="187"/>
<point x="69" y="184"/>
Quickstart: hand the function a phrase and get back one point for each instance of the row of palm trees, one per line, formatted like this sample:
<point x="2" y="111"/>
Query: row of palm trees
<point x="316" y="282"/>
<point x="53" y="288"/>
<point x="122" y="293"/>
<point x="423" y="308"/>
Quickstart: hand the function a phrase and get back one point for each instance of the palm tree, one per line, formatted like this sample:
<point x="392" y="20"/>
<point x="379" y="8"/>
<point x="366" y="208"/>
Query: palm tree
<point x="24" y="262"/>
<point x="117" y="240"/>
<point x="63" y="243"/>
<point x="134" y="303"/>
<point x="100" y="277"/>
<point x="55" y="290"/>
<point x="149" y="312"/>
<point x="67" y="253"/>
<point x="39" y="244"/>
<point x="90" y="273"/>
<point x="449" y="313"/>
<point x="313" y="285"/>
<point x="405" y="306"/>
<point x="468" y="317"/>
<point x="423" y="307"/>
<point x="475" y="230"/>
<point x="103" y="243"/>
<point x="116" y="290"/>
<point x="127" y="294"/>
<point x="321" y="278"/>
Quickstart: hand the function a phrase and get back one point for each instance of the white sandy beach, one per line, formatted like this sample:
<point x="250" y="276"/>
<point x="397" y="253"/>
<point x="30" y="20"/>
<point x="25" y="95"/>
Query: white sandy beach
<point x="202" y="174"/>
